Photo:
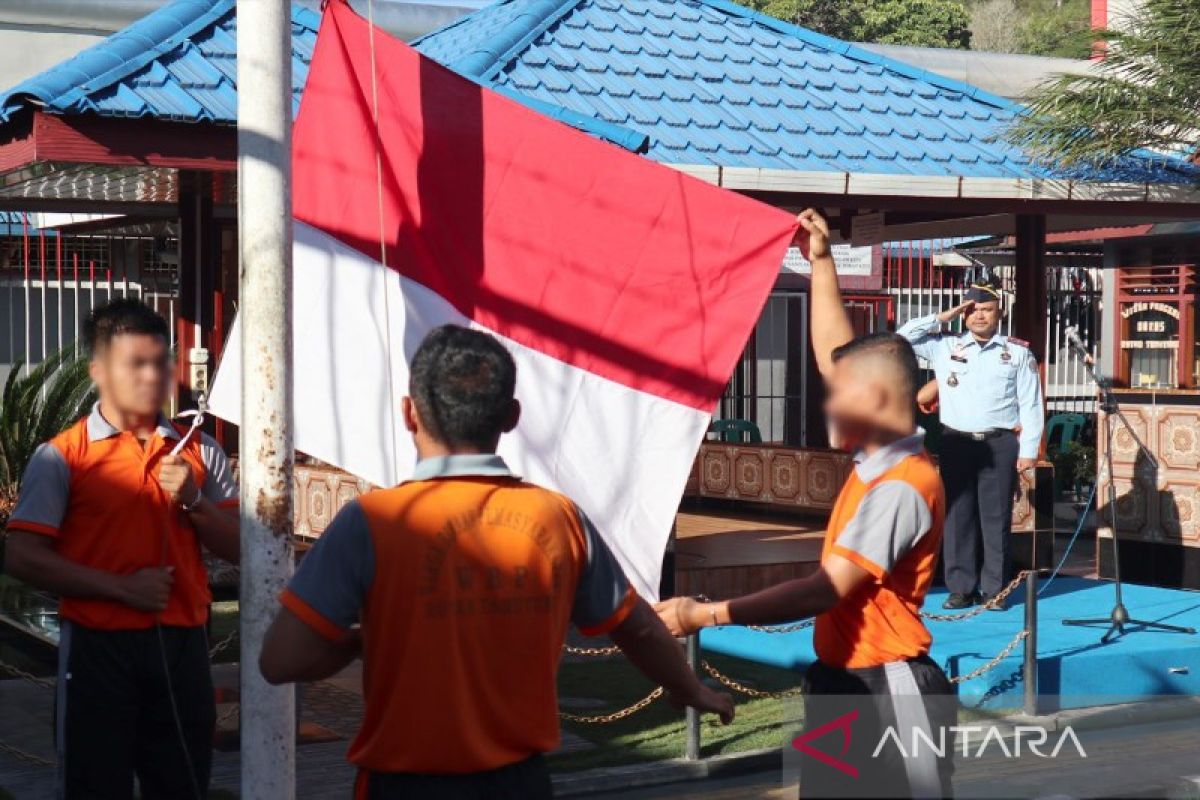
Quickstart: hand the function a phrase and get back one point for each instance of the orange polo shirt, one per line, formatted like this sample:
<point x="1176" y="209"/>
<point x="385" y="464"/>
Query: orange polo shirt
<point x="465" y="580"/>
<point x="95" y="491"/>
<point x="888" y="520"/>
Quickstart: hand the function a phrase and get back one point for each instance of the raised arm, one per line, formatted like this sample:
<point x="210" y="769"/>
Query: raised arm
<point x="923" y="333"/>
<point x="830" y="323"/>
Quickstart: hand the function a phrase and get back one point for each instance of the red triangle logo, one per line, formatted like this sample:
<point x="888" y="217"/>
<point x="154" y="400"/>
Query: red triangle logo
<point x="842" y="723"/>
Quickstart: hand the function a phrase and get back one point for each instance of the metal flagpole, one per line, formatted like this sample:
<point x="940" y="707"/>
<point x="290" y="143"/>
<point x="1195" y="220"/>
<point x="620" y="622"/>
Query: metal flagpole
<point x="264" y="78"/>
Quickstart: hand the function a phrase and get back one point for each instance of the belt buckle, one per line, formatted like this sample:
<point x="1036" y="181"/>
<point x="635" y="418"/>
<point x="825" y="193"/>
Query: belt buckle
<point x="979" y="436"/>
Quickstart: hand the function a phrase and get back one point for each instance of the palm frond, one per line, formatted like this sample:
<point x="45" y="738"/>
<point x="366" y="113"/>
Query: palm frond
<point x="1144" y="94"/>
<point x="36" y="404"/>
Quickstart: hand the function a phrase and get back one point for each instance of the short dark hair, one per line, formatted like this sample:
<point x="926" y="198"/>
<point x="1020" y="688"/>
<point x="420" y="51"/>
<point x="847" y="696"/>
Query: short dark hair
<point x="462" y="382"/>
<point x="892" y="348"/>
<point x="125" y="315"/>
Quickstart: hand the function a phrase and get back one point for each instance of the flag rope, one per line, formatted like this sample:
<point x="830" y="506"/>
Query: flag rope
<point x="393" y="409"/>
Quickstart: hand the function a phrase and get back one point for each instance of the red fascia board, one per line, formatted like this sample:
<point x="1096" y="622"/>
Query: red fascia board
<point x="91" y="139"/>
<point x="1122" y="232"/>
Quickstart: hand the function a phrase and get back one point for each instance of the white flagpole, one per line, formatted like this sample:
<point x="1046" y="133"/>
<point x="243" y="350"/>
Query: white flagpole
<point x="264" y="77"/>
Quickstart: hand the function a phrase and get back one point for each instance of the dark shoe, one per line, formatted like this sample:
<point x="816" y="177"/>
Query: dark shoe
<point x="1000" y="606"/>
<point x="959" y="601"/>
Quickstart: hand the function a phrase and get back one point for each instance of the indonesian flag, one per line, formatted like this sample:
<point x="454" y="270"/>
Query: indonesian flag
<point x="624" y="290"/>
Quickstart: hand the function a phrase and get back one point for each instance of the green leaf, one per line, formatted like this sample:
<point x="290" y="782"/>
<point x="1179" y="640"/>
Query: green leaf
<point x="36" y="404"/>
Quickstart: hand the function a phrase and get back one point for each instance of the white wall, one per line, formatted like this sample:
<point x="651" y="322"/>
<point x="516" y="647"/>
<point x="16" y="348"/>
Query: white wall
<point x="26" y="51"/>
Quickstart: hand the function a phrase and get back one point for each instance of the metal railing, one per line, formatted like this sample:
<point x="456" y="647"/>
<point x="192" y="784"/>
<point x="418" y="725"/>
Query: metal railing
<point x="51" y="280"/>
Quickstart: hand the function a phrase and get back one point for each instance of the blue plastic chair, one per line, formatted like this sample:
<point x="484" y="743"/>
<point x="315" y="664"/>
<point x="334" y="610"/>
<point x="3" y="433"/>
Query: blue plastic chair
<point x="738" y="431"/>
<point x="1062" y="429"/>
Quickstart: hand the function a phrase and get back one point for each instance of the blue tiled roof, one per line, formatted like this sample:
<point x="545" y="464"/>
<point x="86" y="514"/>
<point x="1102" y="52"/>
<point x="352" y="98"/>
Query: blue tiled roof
<point x="177" y="63"/>
<point x="711" y="82"/>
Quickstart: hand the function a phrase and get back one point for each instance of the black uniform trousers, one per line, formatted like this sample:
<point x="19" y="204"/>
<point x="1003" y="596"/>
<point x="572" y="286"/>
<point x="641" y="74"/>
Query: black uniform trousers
<point x="865" y="719"/>
<point x="979" y="478"/>
<point x="113" y="715"/>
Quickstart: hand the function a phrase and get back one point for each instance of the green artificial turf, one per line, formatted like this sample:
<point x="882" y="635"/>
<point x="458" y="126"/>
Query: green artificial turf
<point x="658" y="732"/>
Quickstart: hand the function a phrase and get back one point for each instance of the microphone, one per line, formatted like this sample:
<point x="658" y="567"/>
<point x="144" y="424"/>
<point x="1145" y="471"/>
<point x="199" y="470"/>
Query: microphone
<point x="1072" y="334"/>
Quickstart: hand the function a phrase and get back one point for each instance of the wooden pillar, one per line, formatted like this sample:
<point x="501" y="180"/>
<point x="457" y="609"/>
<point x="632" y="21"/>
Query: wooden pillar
<point x="1030" y="313"/>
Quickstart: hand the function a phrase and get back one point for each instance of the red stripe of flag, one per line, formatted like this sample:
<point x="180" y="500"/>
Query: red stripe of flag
<point x="541" y="233"/>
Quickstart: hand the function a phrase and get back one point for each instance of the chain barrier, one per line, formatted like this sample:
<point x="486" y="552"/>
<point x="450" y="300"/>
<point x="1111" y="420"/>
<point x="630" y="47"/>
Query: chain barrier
<point x="797" y="626"/>
<point x="217" y="648"/>
<point x="21" y="755"/>
<point x="992" y="603"/>
<point x="742" y="688"/>
<point x="605" y="719"/>
<point x="591" y="651"/>
<point x="228" y="714"/>
<point x="995" y="662"/>
<point x="29" y="677"/>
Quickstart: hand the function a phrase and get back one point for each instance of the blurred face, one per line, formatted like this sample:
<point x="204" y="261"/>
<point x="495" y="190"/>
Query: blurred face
<point x="984" y="319"/>
<point x="854" y="403"/>
<point x="133" y="373"/>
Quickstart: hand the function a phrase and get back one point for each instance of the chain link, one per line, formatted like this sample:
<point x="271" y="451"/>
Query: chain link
<point x="223" y="644"/>
<point x="797" y="626"/>
<point x="992" y="602"/>
<point x="591" y="651"/>
<point x="21" y="755"/>
<point x="995" y="662"/>
<point x="605" y="719"/>
<point x="228" y="714"/>
<point x="16" y="672"/>
<point x="742" y="688"/>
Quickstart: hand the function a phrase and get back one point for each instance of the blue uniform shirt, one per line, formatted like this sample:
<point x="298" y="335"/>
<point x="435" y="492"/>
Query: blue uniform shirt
<point x="980" y="387"/>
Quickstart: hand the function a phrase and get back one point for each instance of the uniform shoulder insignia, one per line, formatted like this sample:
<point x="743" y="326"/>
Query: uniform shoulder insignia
<point x="1015" y="340"/>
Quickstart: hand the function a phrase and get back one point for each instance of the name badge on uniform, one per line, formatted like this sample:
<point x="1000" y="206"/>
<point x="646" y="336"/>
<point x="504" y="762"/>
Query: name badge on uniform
<point x="1005" y="356"/>
<point x="959" y="355"/>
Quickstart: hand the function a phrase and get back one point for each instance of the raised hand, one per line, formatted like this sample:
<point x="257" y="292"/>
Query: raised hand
<point x="175" y="477"/>
<point x="960" y="310"/>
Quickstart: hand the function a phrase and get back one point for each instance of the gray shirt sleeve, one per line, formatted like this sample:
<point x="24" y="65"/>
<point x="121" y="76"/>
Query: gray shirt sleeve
<point x="889" y="522"/>
<point x="45" y="490"/>
<point x="333" y="578"/>
<point x="603" y="588"/>
<point x="219" y="485"/>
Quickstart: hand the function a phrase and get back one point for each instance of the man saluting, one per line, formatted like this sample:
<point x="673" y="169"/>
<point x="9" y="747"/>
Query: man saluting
<point x="988" y="386"/>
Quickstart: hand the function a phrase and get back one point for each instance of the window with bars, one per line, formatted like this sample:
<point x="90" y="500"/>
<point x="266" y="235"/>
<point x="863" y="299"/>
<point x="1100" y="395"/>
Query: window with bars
<point x="768" y="385"/>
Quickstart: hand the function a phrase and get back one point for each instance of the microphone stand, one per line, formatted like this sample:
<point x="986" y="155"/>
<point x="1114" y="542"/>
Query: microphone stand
<point x="1119" y="617"/>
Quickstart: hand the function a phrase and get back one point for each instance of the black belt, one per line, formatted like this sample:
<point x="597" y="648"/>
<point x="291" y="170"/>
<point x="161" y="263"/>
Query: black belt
<point x="990" y="433"/>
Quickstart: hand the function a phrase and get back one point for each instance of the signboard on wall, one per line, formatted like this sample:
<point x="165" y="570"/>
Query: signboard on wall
<point x="1151" y="326"/>
<point x="850" y="260"/>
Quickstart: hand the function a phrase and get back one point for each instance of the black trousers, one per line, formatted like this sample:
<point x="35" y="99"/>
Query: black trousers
<point x="979" y="477"/>
<point x="524" y="780"/>
<point x="862" y="721"/>
<point x="114" y="718"/>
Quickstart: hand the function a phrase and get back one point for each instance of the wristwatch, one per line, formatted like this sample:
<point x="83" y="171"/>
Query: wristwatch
<point x="190" y="507"/>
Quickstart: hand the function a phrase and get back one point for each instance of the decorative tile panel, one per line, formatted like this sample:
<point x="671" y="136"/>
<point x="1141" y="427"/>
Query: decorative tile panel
<point x="801" y="478"/>
<point x="1154" y="504"/>
<point x="321" y="492"/>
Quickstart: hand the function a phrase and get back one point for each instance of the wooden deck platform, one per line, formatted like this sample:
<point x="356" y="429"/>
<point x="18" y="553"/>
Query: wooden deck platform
<point x="722" y="553"/>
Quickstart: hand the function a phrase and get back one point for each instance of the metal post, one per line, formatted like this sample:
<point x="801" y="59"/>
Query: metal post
<point x="264" y="78"/>
<point x="1030" y="672"/>
<point x="693" y="716"/>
